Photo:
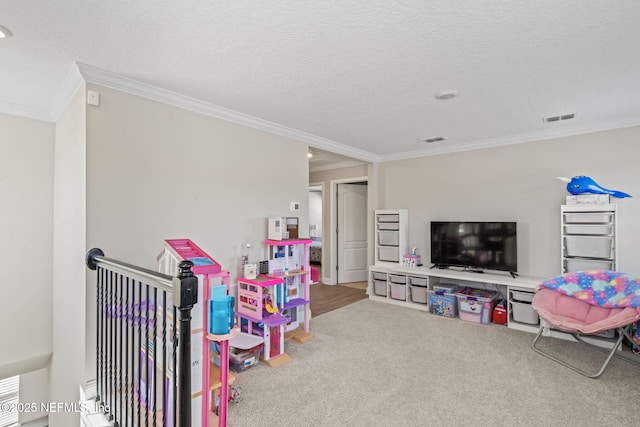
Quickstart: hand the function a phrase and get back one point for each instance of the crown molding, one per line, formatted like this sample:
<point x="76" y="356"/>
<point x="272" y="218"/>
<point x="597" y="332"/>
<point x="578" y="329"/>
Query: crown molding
<point x="70" y="86"/>
<point x="23" y="111"/>
<point x="338" y="165"/>
<point x="515" y="139"/>
<point x="114" y="81"/>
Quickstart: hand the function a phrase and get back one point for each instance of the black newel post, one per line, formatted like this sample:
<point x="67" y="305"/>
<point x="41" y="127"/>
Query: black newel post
<point x="185" y="295"/>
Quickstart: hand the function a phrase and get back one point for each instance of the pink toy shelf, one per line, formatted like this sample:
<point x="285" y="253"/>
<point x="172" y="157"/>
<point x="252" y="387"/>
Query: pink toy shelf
<point x="210" y="274"/>
<point x="185" y="249"/>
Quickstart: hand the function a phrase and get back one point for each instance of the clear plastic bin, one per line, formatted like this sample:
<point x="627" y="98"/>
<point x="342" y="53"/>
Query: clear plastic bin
<point x="476" y="305"/>
<point x="443" y="304"/>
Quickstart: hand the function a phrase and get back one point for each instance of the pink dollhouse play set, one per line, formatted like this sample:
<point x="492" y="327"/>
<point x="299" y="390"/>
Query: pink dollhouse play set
<point x="269" y="309"/>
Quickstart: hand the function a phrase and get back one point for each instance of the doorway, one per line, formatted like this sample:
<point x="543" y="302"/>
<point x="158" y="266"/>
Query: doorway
<point x="316" y="229"/>
<point x="351" y="231"/>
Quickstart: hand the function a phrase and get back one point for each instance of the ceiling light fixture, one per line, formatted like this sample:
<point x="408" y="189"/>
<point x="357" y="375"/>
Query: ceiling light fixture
<point x="447" y="94"/>
<point x="310" y="153"/>
<point x="5" y="32"/>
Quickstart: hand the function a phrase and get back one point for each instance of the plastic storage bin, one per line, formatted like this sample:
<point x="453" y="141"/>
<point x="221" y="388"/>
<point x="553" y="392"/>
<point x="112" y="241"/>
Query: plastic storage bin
<point x="589" y="229"/>
<point x="522" y="312"/>
<point x="419" y="294"/>
<point x="243" y="354"/>
<point x="241" y="360"/>
<point x="388" y="218"/>
<point x="588" y="264"/>
<point x="587" y="217"/>
<point x="522" y="296"/>
<point x="594" y="247"/>
<point x="380" y="287"/>
<point x="388" y="226"/>
<point x="398" y="292"/>
<point x="379" y="276"/>
<point x="398" y="279"/>
<point x="388" y="238"/>
<point x="418" y="281"/>
<point x="476" y="305"/>
<point x="443" y="304"/>
<point x="388" y="253"/>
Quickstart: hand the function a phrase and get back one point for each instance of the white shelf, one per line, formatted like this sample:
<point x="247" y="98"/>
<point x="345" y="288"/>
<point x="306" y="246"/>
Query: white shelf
<point x="391" y="236"/>
<point x="588" y="237"/>
<point x="392" y="275"/>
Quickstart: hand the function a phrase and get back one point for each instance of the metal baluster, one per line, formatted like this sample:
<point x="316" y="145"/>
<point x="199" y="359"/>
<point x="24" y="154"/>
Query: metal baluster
<point x="110" y="345"/>
<point x="146" y="353"/>
<point x="117" y="410"/>
<point x="165" y="404"/>
<point x="128" y="319"/>
<point x="99" y="334"/>
<point x="155" y="353"/>
<point x="139" y="326"/>
<point x="174" y="334"/>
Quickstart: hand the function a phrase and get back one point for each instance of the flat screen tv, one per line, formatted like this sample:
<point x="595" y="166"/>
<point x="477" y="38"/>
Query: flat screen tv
<point x="475" y="246"/>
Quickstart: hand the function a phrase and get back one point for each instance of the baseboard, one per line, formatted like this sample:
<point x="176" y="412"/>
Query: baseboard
<point x="40" y="422"/>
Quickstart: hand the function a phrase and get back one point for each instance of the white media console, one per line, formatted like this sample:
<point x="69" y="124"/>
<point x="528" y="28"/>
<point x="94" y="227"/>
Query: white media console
<point x="406" y="286"/>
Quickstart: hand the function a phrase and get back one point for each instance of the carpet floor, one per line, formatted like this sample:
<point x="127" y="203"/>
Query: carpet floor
<point x="376" y="364"/>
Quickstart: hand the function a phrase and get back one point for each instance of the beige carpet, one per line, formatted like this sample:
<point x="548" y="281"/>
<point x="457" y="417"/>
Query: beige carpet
<point x="376" y="364"/>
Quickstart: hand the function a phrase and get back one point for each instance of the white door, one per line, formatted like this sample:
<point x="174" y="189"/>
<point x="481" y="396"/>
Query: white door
<point x="352" y="233"/>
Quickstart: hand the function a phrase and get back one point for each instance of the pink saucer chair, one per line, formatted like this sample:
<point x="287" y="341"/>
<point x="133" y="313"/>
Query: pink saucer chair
<point x="589" y="303"/>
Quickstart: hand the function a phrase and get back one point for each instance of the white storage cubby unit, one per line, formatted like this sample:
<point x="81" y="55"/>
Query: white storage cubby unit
<point x="589" y="237"/>
<point x="410" y="287"/>
<point x="391" y="236"/>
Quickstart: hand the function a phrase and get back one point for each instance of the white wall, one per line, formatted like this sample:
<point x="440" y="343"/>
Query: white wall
<point x="518" y="183"/>
<point x="67" y="370"/>
<point x="315" y="213"/>
<point x="26" y="259"/>
<point x="157" y="172"/>
<point x="32" y="390"/>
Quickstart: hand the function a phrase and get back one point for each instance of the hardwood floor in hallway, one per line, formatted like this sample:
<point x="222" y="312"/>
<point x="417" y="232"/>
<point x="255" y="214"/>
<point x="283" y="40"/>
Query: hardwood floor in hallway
<point x="325" y="298"/>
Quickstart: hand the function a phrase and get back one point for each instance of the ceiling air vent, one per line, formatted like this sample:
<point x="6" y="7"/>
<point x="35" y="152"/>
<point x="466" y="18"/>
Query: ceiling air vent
<point x="429" y="140"/>
<point x="558" y="118"/>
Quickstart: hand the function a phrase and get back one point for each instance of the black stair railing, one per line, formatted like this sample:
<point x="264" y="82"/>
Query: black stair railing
<point x="143" y="342"/>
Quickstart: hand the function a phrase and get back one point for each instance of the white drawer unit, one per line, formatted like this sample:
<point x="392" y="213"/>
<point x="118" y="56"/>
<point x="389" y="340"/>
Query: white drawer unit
<point x="391" y="236"/>
<point x="589" y="237"/>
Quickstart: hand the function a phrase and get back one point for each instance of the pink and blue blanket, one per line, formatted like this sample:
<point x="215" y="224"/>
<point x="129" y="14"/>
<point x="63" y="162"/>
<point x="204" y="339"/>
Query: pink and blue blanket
<point x="603" y="288"/>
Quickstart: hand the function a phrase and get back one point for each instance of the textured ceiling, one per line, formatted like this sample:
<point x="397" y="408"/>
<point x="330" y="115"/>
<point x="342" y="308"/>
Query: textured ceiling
<point x="355" y="77"/>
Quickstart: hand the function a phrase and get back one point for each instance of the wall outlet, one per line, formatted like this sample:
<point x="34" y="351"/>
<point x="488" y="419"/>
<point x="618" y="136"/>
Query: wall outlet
<point x="295" y="206"/>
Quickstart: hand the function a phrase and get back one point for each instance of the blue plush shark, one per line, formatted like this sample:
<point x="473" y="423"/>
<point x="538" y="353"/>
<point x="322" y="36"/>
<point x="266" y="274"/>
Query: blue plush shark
<point x="584" y="184"/>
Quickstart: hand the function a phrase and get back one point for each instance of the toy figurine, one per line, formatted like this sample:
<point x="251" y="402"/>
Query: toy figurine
<point x="584" y="184"/>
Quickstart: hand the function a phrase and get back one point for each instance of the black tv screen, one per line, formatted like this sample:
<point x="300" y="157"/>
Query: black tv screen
<point x="474" y="245"/>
